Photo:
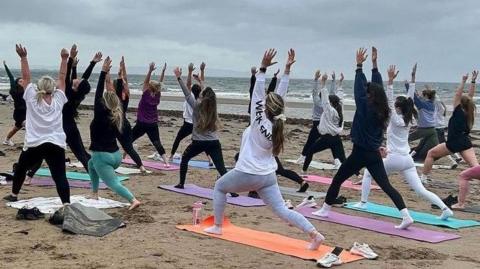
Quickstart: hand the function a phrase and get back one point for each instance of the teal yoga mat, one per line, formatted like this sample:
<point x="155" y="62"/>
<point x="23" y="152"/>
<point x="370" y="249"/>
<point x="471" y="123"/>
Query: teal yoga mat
<point x="45" y="172"/>
<point x="419" y="217"/>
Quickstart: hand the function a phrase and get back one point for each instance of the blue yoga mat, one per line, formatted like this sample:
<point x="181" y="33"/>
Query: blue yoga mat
<point x="420" y="217"/>
<point x="45" y="172"/>
<point x="195" y="163"/>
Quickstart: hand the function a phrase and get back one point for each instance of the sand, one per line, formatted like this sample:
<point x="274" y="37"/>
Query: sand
<point x="150" y="239"/>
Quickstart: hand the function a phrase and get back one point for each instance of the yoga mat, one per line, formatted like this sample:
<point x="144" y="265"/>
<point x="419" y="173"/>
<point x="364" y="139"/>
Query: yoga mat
<point x="45" y="172"/>
<point x="75" y="165"/>
<point x="347" y="184"/>
<point x="420" y="217"/>
<point x="268" y="241"/>
<point x="153" y="165"/>
<point x="194" y="190"/>
<point x="129" y="171"/>
<point x="469" y="209"/>
<point x="293" y="192"/>
<point x="195" y="163"/>
<point x="380" y="226"/>
<point x="317" y="165"/>
<point x="48" y="181"/>
<point x="436" y="166"/>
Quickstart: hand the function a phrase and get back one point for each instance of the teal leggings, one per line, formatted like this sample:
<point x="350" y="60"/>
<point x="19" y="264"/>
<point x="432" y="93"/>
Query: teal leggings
<point x="102" y="165"/>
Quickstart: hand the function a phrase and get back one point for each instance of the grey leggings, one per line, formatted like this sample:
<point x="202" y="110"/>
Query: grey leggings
<point x="267" y="188"/>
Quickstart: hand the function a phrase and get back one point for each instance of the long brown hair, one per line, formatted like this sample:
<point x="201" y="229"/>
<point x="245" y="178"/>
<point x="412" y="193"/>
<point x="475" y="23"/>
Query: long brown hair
<point x="469" y="109"/>
<point x="274" y="106"/>
<point x="207" y="108"/>
<point x="379" y="102"/>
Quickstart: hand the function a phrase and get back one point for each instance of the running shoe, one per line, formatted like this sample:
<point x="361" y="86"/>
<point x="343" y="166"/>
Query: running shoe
<point x="337" y="163"/>
<point x="360" y="205"/>
<point x="307" y="202"/>
<point x="10" y="198"/>
<point x="300" y="160"/>
<point x="363" y="250"/>
<point x="339" y="201"/>
<point x="303" y="187"/>
<point x="154" y="156"/>
<point x="328" y="260"/>
<point x="449" y="201"/>
<point x="8" y="142"/>
<point x="288" y="204"/>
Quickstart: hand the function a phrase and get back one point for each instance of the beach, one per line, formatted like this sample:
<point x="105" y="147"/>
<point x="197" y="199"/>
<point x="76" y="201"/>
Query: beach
<point x="150" y="239"/>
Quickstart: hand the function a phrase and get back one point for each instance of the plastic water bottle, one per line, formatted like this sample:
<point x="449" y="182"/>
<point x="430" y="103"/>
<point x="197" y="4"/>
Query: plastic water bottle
<point x="197" y="212"/>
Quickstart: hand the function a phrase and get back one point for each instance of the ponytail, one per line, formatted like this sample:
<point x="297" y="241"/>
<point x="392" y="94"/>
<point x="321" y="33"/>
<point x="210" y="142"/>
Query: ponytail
<point x="112" y="103"/>
<point x="407" y="109"/>
<point x="45" y="85"/>
<point x="337" y="104"/>
<point x="469" y="109"/>
<point x="278" y="136"/>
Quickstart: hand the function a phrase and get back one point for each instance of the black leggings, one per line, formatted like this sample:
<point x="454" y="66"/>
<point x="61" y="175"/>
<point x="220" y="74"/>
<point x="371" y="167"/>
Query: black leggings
<point x="358" y="159"/>
<point x="55" y="158"/>
<point x="292" y="175"/>
<point x="125" y="140"/>
<point x="74" y="142"/>
<point x="212" y="147"/>
<point x="152" y="132"/>
<point x="313" y="135"/>
<point x="334" y="143"/>
<point x="184" y="131"/>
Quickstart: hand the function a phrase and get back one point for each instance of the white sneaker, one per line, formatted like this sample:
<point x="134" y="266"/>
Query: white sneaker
<point x="213" y="230"/>
<point x="363" y="250"/>
<point x="446" y="213"/>
<point x="288" y="204"/>
<point x="152" y="155"/>
<point x="328" y="260"/>
<point x="307" y="202"/>
<point x="360" y="205"/>
<point x="424" y="179"/>
<point x="406" y="222"/>
<point x="156" y="157"/>
<point x="337" y="163"/>
<point x="8" y="142"/>
<point x="300" y="159"/>
<point x="322" y="212"/>
<point x="177" y="156"/>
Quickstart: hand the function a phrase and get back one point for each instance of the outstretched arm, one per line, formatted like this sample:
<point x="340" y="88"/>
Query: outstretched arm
<point x="107" y="64"/>
<point x="316" y="92"/>
<point x="202" y="71"/>
<point x="333" y="84"/>
<point x="189" y="75"/>
<point x="376" y="76"/>
<point x="459" y="91"/>
<point x="162" y="74"/>
<point x="283" y="86"/>
<point x="471" y="91"/>
<point x="62" y="74"/>
<point x="151" y="67"/>
<point x="186" y="91"/>
<point x="360" y="85"/>
<point x="273" y="83"/>
<point x="26" y="77"/>
<point x="74" y="68"/>
<point x="254" y="71"/>
<point x="11" y="78"/>
<point x="258" y="96"/>
<point x="96" y="58"/>
<point x="392" y="74"/>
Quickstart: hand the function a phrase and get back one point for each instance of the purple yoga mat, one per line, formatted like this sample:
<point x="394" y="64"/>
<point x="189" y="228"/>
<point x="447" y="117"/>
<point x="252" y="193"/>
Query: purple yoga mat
<point x="380" y="226"/>
<point x="48" y="181"/>
<point x="154" y="165"/>
<point x="194" y="190"/>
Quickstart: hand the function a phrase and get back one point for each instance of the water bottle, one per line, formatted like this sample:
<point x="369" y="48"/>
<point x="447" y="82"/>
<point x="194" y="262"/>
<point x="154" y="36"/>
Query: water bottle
<point x="197" y="212"/>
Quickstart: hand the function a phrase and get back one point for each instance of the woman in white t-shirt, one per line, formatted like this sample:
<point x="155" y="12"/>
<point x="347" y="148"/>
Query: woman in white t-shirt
<point x="261" y="141"/>
<point x="44" y="135"/>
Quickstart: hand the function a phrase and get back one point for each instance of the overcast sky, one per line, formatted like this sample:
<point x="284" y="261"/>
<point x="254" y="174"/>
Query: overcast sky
<point x="442" y="35"/>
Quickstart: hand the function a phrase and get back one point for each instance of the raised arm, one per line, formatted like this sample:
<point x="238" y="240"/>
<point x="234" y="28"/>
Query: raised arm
<point x="189" y="75"/>
<point x="324" y="93"/>
<point x="471" y="91"/>
<point x="62" y="74"/>
<point x="26" y="77"/>
<point x="258" y="96"/>
<point x="71" y="67"/>
<point x="11" y="78"/>
<point x="392" y="74"/>
<point x="162" y="74"/>
<point x="186" y="91"/>
<point x="202" y="71"/>
<point x="74" y="68"/>
<point x="376" y="76"/>
<point x="254" y="71"/>
<point x="340" y="81"/>
<point x="283" y="86"/>
<point x="333" y="84"/>
<point x="459" y="91"/>
<point x="151" y="67"/>
<point x="360" y="85"/>
<point x="316" y="92"/>
<point x="96" y="58"/>
<point x="107" y="64"/>
<point x="273" y="83"/>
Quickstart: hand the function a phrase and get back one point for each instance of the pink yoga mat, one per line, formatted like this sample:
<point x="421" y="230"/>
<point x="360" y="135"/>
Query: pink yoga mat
<point x="48" y="181"/>
<point x="380" y="226"/>
<point x="154" y="165"/>
<point x="347" y="184"/>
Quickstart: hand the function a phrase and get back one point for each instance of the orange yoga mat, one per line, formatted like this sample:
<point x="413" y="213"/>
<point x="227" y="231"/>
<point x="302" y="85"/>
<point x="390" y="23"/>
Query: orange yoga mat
<point x="268" y="241"/>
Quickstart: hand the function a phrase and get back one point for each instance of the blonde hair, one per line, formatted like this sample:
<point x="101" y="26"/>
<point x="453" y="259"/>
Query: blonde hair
<point x="112" y="103"/>
<point x="155" y="86"/>
<point x="274" y="109"/>
<point x="469" y="108"/>
<point x="207" y="110"/>
<point x="45" y="86"/>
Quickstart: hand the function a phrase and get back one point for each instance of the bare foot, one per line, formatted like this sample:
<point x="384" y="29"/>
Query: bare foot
<point x="135" y="204"/>
<point x="458" y="206"/>
<point x="28" y="180"/>
<point x="93" y="196"/>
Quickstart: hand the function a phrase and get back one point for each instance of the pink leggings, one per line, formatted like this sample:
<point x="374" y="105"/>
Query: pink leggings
<point x="464" y="182"/>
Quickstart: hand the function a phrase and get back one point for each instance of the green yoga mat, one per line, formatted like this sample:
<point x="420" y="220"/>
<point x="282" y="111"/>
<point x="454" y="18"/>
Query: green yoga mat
<point x="420" y="217"/>
<point x="45" y="172"/>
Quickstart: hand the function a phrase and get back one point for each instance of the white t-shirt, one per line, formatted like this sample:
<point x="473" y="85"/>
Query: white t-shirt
<point x="256" y="149"/>
<point x="187" y="112"/>
<point x="397" y="131"/>
<point x="329" y="120"/>
<point x="43" y="121"/>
